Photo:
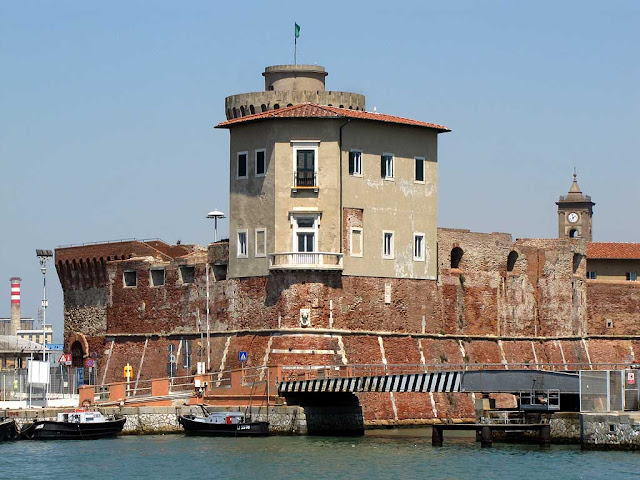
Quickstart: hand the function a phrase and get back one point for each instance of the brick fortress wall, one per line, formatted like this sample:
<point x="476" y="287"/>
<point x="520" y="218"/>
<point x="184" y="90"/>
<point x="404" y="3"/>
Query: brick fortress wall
<point x="533" y="310"/>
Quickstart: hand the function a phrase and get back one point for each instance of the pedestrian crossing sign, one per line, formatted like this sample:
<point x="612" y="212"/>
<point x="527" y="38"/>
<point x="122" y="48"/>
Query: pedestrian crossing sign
<point x="243" y="356"/>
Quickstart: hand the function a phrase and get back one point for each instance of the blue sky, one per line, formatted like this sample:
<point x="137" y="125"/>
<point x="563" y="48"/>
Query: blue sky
<point x="107" y="109"/>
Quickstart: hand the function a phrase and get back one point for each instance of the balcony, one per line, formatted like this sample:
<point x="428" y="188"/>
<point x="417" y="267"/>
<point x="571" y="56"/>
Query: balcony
<point x="305" y="261"/>
<point x="304" y="180"/>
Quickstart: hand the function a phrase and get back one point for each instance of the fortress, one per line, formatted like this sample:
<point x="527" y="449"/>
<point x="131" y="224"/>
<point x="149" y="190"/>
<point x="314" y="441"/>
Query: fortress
<point x="335" y="257"/>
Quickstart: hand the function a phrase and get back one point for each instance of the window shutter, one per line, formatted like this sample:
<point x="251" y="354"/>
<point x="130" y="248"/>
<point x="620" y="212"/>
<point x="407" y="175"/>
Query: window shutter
<point x="351" y="162"/>
<point x="382" y="166"/>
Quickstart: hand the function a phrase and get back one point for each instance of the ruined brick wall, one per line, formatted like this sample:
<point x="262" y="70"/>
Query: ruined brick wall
<point x="618" y="302"/>
<point x="542" y="292"/>
<point x="170" y="308"/>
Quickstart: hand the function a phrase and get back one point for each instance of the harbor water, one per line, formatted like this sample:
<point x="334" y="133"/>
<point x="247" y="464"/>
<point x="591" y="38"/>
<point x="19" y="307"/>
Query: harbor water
<point x="382" y="454"/>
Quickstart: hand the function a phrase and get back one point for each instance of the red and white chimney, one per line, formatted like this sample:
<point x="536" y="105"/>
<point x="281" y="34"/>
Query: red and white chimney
<point x="15" y="306"/>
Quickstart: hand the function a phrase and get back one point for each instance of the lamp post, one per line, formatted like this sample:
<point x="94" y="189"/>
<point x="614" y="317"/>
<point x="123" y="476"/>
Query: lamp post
<point x="215" y="214"/>
<point x="44" y="256"/>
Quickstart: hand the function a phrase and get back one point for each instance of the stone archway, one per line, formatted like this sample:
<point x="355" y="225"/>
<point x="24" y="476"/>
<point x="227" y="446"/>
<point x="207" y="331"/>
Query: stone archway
<point x="77" y="354"/>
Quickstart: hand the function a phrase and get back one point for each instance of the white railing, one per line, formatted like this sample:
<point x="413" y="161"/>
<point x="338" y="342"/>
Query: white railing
<point x="305" y="261"/>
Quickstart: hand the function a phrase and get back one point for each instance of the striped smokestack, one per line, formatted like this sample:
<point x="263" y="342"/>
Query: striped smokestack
<point x="15" y="306"/>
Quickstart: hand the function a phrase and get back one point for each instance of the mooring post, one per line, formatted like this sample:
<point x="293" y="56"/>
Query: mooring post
<point x="485" y="437"/>
<point x="545" y="436"/>
<point x="436" y="436"/>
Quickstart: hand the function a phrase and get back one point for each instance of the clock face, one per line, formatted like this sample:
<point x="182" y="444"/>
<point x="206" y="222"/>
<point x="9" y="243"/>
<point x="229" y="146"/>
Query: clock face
<point x="572" y="217"/>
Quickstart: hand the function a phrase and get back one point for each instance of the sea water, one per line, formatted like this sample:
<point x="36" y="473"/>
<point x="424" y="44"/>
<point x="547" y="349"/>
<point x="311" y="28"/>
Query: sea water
<point x="398" y="454"/>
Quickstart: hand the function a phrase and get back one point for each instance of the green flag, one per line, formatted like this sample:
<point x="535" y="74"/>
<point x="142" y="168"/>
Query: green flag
<point x="296" y="30"/>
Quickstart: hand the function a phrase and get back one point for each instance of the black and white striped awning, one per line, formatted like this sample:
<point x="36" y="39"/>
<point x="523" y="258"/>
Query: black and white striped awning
<point x="417" y="382"/>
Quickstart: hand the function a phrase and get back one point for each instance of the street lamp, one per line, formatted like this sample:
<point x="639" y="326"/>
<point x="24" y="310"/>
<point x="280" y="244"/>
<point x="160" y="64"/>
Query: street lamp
<point x="216" y="214"/>
<point x="44" y="256"/>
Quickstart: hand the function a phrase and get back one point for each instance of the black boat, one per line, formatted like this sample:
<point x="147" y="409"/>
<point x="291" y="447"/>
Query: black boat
<point x="8" y="430"/>
<point x="222" y="424"/>
<point x="75" y="425"/>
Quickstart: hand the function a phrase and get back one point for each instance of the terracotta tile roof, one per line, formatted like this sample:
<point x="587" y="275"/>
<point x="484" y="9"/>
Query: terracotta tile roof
<point x="613" y="250"/>
<point x="312" y="110"/>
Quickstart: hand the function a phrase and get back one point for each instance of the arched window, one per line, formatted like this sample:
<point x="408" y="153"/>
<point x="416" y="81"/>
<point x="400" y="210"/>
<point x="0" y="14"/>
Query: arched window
<point x="252" y="109"/>
<point x="235" y="112"/>
<point x="289" y="104"/>
<point x="263" y="107"/>
<point x="573" y="233"/>
<point x="341" y="106"/>
<point x="77" y="355"/>
<point x="276" y="106"/>
<point x="456" y="256"/>
<point x="228" y="114"/>
<point x="242" y="110"/>
<point x="511" y="260"/>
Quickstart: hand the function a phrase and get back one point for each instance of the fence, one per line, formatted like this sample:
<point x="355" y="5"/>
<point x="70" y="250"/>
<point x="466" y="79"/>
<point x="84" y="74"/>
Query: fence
<point x="608" y="390"/>
<point x="62" y="384"/>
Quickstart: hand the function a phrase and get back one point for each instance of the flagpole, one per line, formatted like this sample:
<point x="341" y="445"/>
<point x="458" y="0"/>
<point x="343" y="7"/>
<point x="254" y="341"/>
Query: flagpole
<point x="295" y="50"/>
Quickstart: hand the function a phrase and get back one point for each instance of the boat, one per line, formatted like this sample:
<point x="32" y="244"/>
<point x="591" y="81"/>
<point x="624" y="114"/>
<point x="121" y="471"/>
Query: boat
<point x="74" y="425"/>
<point x="222" y="424"/>
<point x="8" y="430"/>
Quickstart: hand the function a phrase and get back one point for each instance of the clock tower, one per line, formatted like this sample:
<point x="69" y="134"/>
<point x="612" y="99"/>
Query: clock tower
<point x="575" y="212"/>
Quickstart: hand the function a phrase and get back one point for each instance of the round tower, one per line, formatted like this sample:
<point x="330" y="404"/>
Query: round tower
<point x="287" y="85"/>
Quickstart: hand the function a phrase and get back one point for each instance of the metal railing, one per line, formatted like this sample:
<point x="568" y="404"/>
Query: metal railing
<point x="302" y="179"/>
<point x="14" y="386"/>
<point x="305" y="261"/>
<point x="304" y="372"/>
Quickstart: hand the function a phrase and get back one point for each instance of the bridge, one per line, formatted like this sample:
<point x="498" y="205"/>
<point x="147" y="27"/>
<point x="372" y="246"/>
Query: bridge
<point x="266" y="384"/>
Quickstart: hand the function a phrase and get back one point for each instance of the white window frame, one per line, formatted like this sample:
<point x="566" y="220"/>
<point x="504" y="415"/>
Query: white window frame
<point x="357" y="172"/>
<point x="355" y="229"/>
<point x="296" y="229"/>
<point x="391" y="254"/>
<point x="421" y="257"/>
<point x="305" y="145"/>
<point x="246" y="156"/>
<point x="255" y="158"/>
<point x="424" y="170"/>
<point x="386" y="166"/>
<point x="260" y="231"/>
<point x="239" y="252"/>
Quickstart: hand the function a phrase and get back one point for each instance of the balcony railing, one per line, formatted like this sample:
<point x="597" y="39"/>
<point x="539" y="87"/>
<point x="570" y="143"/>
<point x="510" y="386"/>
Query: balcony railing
<point x="305" y="180"/>
<point x="305" y="261"/>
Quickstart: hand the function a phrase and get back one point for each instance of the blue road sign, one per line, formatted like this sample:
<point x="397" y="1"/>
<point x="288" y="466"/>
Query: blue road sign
<point x="80" y="376"/>
<point x="243" y="356"/>
<point x="55" y="346"/>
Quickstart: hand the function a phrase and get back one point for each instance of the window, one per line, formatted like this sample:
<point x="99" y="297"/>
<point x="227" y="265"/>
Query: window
<point x="305" y="234"/>
<point x="186" y="354"/>
<point x="187" y="273"/>
<point x="261" y="242"/>
<point x="456" y="257"/>
<point x="242" y="165"/>
<point x="355" y="163"/>
<point x="260" y="163"/>
<point x="355" y="245"/>
<point x="511" y="260"/>
<point x="157" y="277"/>
<point x="386" y="166"/>
<point x="419" y="170"/>
<point x="592" y="275"/>
<point x="242" y="244"/>
<point x="632" y="276"/>
<point x="305" y="168"/>
<point x="130" y="278"/>
<point x="387" y="244"/>
<point x="305" y="163"/>
<point x="418" y="247"/>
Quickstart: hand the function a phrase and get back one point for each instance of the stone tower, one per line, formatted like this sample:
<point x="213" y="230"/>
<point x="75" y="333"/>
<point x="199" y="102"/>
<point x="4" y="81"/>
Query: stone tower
<point x="575" y="213"/>
<point x="287" y="85"/>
